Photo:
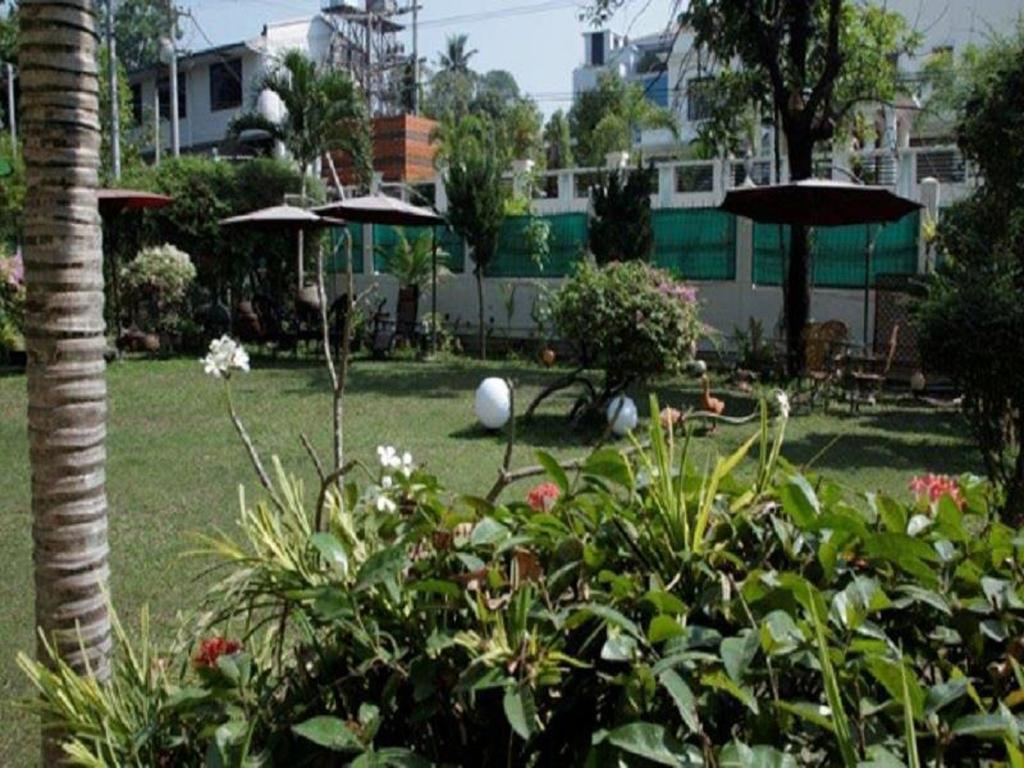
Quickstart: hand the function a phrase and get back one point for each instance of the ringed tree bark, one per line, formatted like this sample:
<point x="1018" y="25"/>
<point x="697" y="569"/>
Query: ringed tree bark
<point x="64" y="332"/>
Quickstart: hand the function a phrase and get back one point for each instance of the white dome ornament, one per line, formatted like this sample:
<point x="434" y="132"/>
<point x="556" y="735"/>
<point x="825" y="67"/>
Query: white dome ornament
<point x="493" y="403"/>
<point x="622" y="415"/>
<point x="918" y="383"/>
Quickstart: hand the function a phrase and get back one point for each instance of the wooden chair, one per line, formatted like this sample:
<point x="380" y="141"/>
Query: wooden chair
<point x="867" y="375"/>
<point x="823" y="343"/>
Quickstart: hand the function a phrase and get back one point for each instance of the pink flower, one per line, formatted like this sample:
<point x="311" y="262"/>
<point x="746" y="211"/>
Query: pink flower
<point x="543" y="497"/>
<point x="685" y="293"/>
<point x="934" y="487"/>
<point x="212" y="649"/>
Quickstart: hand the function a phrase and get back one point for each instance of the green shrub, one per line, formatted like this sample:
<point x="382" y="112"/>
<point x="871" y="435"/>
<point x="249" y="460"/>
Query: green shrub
<point x="630" y="320"/>
<point x="156" y="284"/>
<point x="12" y="303"/>
<point x="635" y="610"/>
<point x="621" y="228"/>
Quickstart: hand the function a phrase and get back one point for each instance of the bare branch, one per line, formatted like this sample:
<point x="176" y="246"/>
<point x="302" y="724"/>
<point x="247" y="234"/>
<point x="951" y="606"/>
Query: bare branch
<point x="314" y="457"/>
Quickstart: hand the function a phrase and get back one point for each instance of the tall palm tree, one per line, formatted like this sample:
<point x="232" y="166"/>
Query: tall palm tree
<point x="64" y="331"/>
<point x="455" y="57"/>
<point x="323" y="111"/>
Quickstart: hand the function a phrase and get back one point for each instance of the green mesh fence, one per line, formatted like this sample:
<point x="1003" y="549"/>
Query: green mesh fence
<point x="567" y="240"/>
<point x="695" y="243"/>
<point x="385" y="237"/>
<point x="838" y="252"/>
<point x="336" y="263"/>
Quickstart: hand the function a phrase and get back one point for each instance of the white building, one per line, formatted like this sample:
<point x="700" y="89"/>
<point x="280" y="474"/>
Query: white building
<point x="217" y="84"/>
<point x="672" y="70"/>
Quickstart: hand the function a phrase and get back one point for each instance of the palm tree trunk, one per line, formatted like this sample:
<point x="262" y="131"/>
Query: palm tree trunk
<point x="64" y="332"/>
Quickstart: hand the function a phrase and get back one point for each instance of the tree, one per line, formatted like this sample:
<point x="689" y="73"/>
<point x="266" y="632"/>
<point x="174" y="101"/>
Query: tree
<point x="455" y="57"/>
<point x="607" y="118"/>
<point x="814" y="62"/>
<point x="621" y="229"/>
<point x="64" y="334"/>
<point x="450" y="95"/>
<point x="976" y="295"/>
<point x="323" y="111"/>
<point x="139" y="26"/>
<point x="476" y="199"/>
<point x="558" y="138"/>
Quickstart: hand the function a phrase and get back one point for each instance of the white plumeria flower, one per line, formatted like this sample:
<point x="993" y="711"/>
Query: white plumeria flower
<point x="388" y="457"/>
<point x="387" y="482"/>
<point x="782" y="399"/>
<point x="225" y="355"/>
<point x="407" y="465"/>
<point x="384" y="504"/>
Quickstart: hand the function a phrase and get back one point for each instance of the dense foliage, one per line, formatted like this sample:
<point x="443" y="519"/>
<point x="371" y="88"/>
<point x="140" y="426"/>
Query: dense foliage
<point x="12" y="303"/>
<point x="204" y="192"/>
<point x="156" y="285"/>
<point x="476" y="199"/>
<point x="627" y="319"/>
<point x="972" y="322"/>
<point x="634" y="611"/>
<point x="621" y="228"/>
<point x="12" y="191"/>
<point x="606" y="118"/>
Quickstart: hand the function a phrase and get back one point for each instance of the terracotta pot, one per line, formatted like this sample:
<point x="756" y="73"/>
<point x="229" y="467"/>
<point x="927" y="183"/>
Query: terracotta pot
<point x="547" y="356"/>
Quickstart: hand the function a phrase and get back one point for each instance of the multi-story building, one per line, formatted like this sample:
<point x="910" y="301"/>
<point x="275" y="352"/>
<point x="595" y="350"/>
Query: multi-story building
<point x="672" y="70"/>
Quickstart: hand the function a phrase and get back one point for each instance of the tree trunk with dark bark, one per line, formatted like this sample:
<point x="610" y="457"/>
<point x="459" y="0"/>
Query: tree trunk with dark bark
<point x="798" y="274"/>
<point x="64" y="333"/>
<point x="482" y="330"/>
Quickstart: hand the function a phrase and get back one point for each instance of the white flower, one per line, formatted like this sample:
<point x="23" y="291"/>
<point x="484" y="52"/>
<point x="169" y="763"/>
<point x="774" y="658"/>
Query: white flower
<point x="782" y="400"/>
<point x="388" y="457"/>
<point x="384" y="504"/>
<point x="407" y="465"/>
<point x="225" y="355"/>
<point x="387" y="482"/>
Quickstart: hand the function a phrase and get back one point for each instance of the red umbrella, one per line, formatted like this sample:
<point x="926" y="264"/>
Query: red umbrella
<point x="117" y="200"/>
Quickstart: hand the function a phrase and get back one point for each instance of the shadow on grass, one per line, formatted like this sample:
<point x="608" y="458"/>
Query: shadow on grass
<point x="859" y="452"/>
<point x="542" y="430"/>
<point x="917" y="420"/>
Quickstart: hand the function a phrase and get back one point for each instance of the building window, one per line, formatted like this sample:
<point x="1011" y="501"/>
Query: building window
<point x="164" y="89"/>
<point x="137" y="104"/>
<point x="226" y="85"/>
<point x="597" y="49"/>
<point x="698" y="98"/>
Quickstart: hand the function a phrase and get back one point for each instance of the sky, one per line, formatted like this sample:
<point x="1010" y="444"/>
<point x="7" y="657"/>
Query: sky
<point x="538" y="41"/>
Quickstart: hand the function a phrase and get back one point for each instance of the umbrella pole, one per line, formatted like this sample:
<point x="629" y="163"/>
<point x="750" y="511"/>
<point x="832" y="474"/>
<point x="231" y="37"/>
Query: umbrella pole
<point x="433" y="292"/>
<point x="868" y="255"/>
<point x="298" y="262"/>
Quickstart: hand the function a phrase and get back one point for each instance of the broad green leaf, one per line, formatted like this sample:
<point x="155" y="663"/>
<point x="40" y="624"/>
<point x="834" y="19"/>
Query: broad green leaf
<point x="550" y="464"/>
<point x="666" y="602"/>
<point x="989" y="726"/>
<point x="683" y="697"/>
<point x="817" y="714"/>
<point x="487" y="532"/>
<point x="780" y="634"/>
<point x="841" y="725"/>
<point x="723" y="682"/>
<point x="652" y="742"/>
<point x="618" y="646"/>
<point x="381" y="566"/>
<point x="611" y="465"/>
<point x="800" y="502"/>
<point x="613" y="617"/>
<point x="738" y="652"/>
<point x="329" y="732"/>
<point x="739" y="755"/>
<point x="332" y="551"/>
<point x="662" y="628"/>
<point x="520" y="710"/>
<point x="890" y="674"/>
<point x="910" y="735"/>
<point x="395" y="757"/>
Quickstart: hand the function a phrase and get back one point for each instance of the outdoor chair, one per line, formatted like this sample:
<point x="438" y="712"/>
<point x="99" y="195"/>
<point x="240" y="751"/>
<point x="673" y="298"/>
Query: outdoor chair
<point x="823" y="352"/>
<point x="407" y="325"/>
<point x="866" y="374"/>
<point x="308" y="323"/>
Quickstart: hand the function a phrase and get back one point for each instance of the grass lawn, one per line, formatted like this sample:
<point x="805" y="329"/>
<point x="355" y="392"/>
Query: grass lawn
<point x="175" y="464"/>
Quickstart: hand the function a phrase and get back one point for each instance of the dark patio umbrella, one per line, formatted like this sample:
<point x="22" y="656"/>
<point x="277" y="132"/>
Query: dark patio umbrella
<point x="117" y="200"/>
<point x="822" y="203"/>
<point x="112" y="202"/>
<point x="382" y="209"/>
<point x="284" y="218"/>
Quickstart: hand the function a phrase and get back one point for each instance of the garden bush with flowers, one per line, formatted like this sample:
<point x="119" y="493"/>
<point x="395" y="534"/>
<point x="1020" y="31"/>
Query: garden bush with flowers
<point x="628" y="320"/>
<point x="624" y="609"/>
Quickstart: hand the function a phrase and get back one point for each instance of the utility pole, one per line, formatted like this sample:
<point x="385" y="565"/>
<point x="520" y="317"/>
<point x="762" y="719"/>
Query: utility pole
<point x="12" y="118"/>
<point x="416" y="57"/>
<point x="156" y="122"/>
<point x="115" y="105"/>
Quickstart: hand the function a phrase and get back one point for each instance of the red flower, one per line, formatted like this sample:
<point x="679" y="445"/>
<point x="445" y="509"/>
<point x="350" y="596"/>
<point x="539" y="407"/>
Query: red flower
<point x="543" y="497"/>
<point x="212" y="649"/>
<point x="934" y="487"/>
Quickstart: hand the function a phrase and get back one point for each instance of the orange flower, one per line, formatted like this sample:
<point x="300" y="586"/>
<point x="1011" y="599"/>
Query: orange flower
<point x="212" y="649"/>
<point x="543" y="497"/>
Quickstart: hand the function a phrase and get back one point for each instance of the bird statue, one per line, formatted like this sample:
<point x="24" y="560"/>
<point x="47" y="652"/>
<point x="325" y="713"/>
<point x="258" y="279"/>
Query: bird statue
<point x="708" y="403"/>
<point x="670" y="418"/>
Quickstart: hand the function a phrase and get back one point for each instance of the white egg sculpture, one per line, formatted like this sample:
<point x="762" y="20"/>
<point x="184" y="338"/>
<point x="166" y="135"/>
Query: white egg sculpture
<point x="918" y="383"/>
<point x="622" y="415"/>
<point x="493" y="403"/>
